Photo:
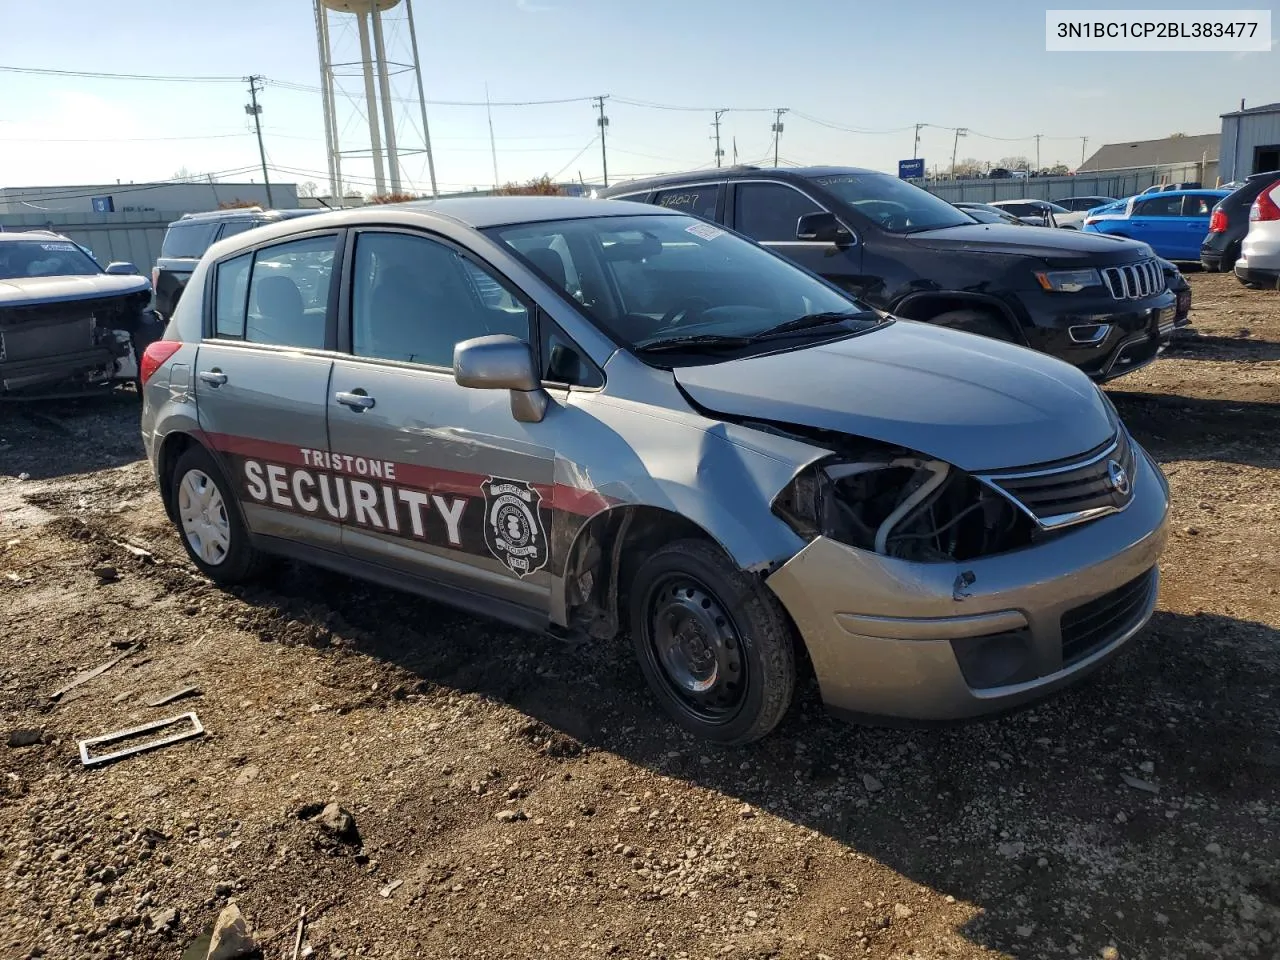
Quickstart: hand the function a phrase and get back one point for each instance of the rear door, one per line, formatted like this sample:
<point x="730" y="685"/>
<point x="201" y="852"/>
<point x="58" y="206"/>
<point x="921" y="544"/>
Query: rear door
<point x="438" y="481"/>
<point x="768" y="212"/>
<point x="1157" y="220"/>
<point x="1197" y="209"/>
<point x="262" y="378"/>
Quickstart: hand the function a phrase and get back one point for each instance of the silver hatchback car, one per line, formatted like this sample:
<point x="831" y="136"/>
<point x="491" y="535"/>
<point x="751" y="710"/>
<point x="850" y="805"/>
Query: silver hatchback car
<point x="606" y="418"/>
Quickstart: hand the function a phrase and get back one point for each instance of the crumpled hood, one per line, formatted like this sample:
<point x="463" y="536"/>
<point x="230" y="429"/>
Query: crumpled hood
<point x="977" y="403"/>
<point x="31" y="291"/>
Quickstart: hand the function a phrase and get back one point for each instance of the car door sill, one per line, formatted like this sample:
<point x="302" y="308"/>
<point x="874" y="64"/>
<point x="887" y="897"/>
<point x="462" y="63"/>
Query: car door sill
<point x="481" y="605"/>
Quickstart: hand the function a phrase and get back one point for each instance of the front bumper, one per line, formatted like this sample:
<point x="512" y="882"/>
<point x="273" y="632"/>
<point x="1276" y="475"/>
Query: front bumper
<point x="916" y="641"/>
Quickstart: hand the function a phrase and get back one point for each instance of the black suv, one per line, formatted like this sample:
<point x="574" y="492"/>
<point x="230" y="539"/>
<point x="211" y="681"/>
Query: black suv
<point x="1100" y="303"/>
<point x="1229" y="222"/>
<point x="188" y="238"/>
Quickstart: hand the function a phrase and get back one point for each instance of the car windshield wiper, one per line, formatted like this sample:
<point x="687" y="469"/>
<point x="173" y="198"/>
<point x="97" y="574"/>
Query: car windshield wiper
<point x="699" y="341"/>
<point x="810" y="320"/>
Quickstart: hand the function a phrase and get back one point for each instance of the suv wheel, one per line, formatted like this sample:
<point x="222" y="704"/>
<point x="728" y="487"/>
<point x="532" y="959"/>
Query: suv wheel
<point x="713" y="643"/>
<point x="973" y="321"/>
<point x="209" y="520"/>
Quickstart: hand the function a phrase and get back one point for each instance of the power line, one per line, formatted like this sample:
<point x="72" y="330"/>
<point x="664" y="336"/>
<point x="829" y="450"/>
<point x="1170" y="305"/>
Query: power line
<point x="98" y="75"/>
<point x="205" y="136"/>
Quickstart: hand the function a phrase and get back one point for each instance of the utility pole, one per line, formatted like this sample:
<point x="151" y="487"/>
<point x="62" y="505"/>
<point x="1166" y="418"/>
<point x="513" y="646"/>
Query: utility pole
<point x="915" y="150"/>
<point x="716" y="123"/>
<point x="1083" y="142"/>
<point x="254" y="110"/>
<point x="777" y="131"/>
<point x="1038" y="136"/>
<point x="960" y="132"/>
<point x="603" y="124"/>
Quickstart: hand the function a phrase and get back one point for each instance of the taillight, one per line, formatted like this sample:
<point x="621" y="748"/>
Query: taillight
<point x="154" y="356"/>
<point x="1218" y="222"/>
<point x="1264" y="208"/>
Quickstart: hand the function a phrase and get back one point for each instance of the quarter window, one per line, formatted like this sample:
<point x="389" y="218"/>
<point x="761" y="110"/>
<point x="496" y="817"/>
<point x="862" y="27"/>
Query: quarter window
<point x="1197" y="206"/>
<point x="770" y="211"/>
<point x="700" y="201"/>
<point x="289" y="293"/>
<point x="230" y="299"/>
<point x="413" y="299"/>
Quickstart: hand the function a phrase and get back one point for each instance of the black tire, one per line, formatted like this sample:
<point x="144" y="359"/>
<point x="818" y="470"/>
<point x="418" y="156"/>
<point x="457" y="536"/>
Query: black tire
<point x="690" y="589"/>
<point x="974" y="321"/>
<point x="238" y="561"/>
<point x="1212" y="266"/>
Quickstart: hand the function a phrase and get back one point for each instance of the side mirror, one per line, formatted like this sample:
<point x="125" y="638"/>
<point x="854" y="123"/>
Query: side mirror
<point x="822" y="227"/>
<point x="122" y="266"/>
<point x="502" y="362"/>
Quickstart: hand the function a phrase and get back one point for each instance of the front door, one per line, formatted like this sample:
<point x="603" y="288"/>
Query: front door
<point x="436" y="480"/>
<point x="768" y="212"/>
<point x="1156" y="221"/>
<point x="261" y="382"/>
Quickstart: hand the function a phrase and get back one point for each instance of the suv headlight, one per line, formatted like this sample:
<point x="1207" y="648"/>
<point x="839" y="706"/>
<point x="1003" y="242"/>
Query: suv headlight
<point x="1069" y="281"/>
<point x="902" y="505"/>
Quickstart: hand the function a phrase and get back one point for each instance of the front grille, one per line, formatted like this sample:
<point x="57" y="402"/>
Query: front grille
<point x="1134" y="281"/>
<point x="1093" y="625"/>
<point x="1057" y="495"/>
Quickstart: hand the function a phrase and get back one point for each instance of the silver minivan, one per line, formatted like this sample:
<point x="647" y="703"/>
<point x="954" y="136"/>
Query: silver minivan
<point x="604" y="418"/>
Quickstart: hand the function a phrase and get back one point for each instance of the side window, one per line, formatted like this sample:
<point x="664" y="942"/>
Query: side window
<point x="289" y="293"/>
<point x="769" y="211"/>
<point x="700" y="201"/>
<point x="231" y="296"/>
<point x="1194" y="206"/>
<point x="1159" y="207"/>
<point x="188" y="239"/>
<point x="563" y="361"/>
<point x="413" y="299"/>
<point x="232" y="227"/>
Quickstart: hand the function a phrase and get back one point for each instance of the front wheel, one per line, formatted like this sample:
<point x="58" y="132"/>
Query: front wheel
<point x="713" y="643"/>
<point x="209" y="520"/>
<point x="973" y="321"/>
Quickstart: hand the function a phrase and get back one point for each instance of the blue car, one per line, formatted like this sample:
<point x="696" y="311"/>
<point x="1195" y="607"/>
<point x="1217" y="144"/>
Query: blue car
<point x="1172" y="223"/>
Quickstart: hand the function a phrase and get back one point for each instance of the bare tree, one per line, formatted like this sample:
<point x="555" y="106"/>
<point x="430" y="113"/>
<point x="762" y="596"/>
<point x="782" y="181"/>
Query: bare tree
<point x="183" y="175"/>
<point x="966" y="169"/>
<point x="308" y="189"/>
<point x="1014" y="163"/>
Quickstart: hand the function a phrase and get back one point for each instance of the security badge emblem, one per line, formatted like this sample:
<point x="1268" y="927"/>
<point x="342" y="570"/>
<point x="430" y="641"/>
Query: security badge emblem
<point x="513" y="527"/>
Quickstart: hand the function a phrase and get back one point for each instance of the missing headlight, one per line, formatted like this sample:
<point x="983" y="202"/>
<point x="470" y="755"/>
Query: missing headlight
<point x="903" y="506"/>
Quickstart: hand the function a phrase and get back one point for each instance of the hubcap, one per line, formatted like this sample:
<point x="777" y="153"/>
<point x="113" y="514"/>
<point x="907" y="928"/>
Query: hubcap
<point x="696" y="648"/>
<point x="204" y="517"/>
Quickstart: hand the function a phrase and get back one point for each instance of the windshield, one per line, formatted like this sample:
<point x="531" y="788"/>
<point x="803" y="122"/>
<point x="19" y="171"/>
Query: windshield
<point x="20" y="259"/>
<point x="893" y="204"/>
<point x="651" y="279"/>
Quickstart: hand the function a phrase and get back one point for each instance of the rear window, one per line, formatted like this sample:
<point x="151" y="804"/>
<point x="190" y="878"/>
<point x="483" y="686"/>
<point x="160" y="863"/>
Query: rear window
<point x="188" y="239"/>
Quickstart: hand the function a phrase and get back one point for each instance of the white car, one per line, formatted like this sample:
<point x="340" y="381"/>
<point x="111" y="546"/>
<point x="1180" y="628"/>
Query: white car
<point x="1259" y="263"/>
<point x="1042" y="213"/>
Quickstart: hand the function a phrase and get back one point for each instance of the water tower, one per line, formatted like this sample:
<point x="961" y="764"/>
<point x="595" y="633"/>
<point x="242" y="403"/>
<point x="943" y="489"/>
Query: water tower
<point x="368" y="55"/>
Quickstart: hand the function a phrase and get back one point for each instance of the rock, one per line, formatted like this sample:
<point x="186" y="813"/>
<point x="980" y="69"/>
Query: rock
<point x="106" y="573"/>
<point x="60" y="855"/>
<point x="390" y="888"/>
<point x="247" y="775"/>
<point x="223" y="889"/>
<point x="231" y="937"/>
<point x="745" y="811"/>
<point x="1213" y="848"/>
<point x="871" y="783"/>
<point x="509" y="816"/>
<point x="338" y="823"/>
<point x="1110" y="953"/>
<point x="164" y="919"/>
<point x="902" y="911"/>
<point x="950" y="898"/>
<point x="1146" y="766"/>
<point x="1011" y="850"/>
<point x="1025" y="931"/>
<point x="25" y="737"/>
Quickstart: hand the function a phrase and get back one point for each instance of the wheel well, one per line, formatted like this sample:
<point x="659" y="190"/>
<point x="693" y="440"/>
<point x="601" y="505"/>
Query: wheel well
<point x="173" y="447"/>
<point x="927" y="307"/>
<point x="613" y="543"/>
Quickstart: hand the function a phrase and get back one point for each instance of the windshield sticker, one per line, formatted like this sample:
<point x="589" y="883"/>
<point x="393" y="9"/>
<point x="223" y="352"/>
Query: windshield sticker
<point x="59" y="247"/>
<point x="832" y="181"/>
<point x="704" y="231"/>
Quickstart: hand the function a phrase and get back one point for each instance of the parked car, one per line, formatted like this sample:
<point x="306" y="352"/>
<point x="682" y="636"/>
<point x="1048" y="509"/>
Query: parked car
<point x="1259" y="262"/>
<point x="1229" y="222"/>
<point x="1083" y="204"/>
<point x="1041" y="213"/>
<point x="186" y="240"/>
<point x="1097" y="303"/>
<point x="1173" y="223"/>
<point x="66" y="323"/>
<point x="1166" y="187"/>
<point x="999" y="173"/>
<point x="985" y="213"/>
<point x="947" y="525"/>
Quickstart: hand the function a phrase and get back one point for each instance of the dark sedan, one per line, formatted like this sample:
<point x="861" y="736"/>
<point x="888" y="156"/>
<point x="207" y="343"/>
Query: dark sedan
<point x="1229" y="222"/>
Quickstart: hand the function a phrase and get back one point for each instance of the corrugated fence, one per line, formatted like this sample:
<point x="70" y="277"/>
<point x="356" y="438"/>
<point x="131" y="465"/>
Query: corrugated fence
<point x="1116" y="183"/>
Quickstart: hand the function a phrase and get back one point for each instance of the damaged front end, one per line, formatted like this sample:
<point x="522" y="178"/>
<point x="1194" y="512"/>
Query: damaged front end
<point x="901" y="504"/>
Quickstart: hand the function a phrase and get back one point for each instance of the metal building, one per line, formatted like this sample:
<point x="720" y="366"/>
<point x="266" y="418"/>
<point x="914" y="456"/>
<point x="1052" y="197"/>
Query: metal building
<point x="1250" y="141"/>
<point x="142" y="198"/>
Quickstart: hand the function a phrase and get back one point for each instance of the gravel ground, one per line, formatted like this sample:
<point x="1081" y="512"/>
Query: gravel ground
<point x="512" y="796"/>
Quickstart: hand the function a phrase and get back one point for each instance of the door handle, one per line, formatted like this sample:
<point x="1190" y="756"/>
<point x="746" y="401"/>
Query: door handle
<point x="215" y="377"/>
<point x="356" y="401"/>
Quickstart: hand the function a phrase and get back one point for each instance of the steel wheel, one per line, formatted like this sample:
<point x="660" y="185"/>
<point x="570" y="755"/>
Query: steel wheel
<point x="203" y="516"/>
<point x="693" y="642"/>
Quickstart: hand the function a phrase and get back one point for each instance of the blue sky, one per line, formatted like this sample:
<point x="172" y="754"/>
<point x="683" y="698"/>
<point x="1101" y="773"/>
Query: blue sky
<point x="878" y="67"/>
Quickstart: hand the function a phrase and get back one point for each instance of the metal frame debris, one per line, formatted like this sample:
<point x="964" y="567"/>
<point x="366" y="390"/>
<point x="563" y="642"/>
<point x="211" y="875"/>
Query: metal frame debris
<point x="92" y="761"/>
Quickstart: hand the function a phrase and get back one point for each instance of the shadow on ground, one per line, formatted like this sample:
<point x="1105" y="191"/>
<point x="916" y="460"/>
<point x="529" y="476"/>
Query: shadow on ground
<point x="56" y="438"/>
<point x="1174" y="427"/>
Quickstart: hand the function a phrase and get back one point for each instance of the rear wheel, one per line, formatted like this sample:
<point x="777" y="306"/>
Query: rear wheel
<point x="209" y="520"/>
<point x="713" y="643"/>
<point x="973" y="321"/>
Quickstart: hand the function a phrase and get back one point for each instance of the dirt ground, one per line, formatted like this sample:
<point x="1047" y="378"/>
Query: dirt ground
<point x="516" y="796"/>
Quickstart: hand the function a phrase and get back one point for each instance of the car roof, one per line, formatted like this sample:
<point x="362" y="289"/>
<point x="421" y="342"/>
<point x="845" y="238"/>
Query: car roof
<point x="32" y="235"/>
<point x="242" y="213"/>
<point x="736" y="173"/>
